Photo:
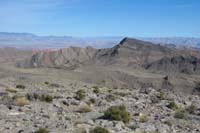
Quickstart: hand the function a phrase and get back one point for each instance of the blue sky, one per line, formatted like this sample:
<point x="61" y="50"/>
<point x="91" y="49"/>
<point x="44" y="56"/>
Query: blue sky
<point x="135" y="18"/>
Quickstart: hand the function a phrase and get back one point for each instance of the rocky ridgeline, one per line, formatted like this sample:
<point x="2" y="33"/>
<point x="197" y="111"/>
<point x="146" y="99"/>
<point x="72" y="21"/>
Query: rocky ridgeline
<point x="81" y="108"/>
<point x="128" y="52"/>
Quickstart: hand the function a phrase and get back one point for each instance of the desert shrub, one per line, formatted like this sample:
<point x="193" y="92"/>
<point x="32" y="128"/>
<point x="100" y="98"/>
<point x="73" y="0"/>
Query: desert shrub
<point x="161" y="95"/>
<point x="117" y="113"/>
<point x="46" y="82"/>
<point x="191" y="109"/>
<point x="80" y="94"/>
<point x="99" y="130"/>
<point x="133" y="126"/>
<point x="54" y="85"/>
<point x="172" y="105"/>
<point x="110" y="98"/>
<point x="180" y="114"/>
<point x="84" y="109"/>
<point x="20" y="86"/>
<point x="122" y="94"/>
<point x="46" y="98"/>
<point x="42" y="130"/>
<point x="11" y="90"/>
<point x="92" y="100"/>
<point x="96" y="90"/>
<point x="143" y="118"/>
<point x="21" y="101"/>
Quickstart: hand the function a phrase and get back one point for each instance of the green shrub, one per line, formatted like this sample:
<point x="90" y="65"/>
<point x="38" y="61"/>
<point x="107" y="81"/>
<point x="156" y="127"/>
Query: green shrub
<point x="191" y="109"/>
<point x="46" y="82"/>
<point x="117" y="113"/>
<point x="172" y="105"/>
<point x="46" y="98"/>
<point x="161" y="95"/>
<point x="42" y="130"/>
<point x="110" y="98"/>
<point x="96" y="90"/>
<point x="20" y="86"/>
<point x="54" y="85"/>
<point x="180" y="114"/>
<point x="80" y="94"/>
<point x="99" y="130"/>
<point x="92" y="100"/>
<point x="122" y="94"/>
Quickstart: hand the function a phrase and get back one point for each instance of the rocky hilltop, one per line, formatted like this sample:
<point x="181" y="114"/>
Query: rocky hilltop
<point x="181" y="64"/>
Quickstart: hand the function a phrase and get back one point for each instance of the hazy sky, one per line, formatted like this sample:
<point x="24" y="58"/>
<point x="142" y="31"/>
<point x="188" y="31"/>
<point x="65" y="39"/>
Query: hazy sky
<point x="140" y="18"/>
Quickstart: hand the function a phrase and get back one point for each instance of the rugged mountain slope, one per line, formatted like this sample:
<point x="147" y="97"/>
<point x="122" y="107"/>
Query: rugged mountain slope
<point x="181" y="64"/>
<point x="131" y="51"/>
<point x="127" y="52"/>
<point x="63" y="58"/>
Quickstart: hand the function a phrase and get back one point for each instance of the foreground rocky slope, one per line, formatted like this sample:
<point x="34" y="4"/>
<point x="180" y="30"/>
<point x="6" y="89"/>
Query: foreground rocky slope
<point x="27" y="105"/>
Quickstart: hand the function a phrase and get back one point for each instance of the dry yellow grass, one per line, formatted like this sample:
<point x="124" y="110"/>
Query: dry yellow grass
<point x="21" y="101"/>
<point x="11" y="90"/>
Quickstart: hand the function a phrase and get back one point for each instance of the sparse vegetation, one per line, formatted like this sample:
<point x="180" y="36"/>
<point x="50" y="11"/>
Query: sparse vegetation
<point x="180" y="114"/>
<point x="99" y="130"/>
<point x="84" y="109"/>
<point x="54" y="85"/>
<point x="122" y="94"/>
<point x="143" y="118"/>
<point x="161" y="95"/>
<point x="191" y="109"/>
<point x="46" y="98"/>
<point x="11" y="90"/>
<point x="96" y="90"/>
<point x="80" y="94"/>
<point x="42" y="130"/>
<point x="117" y="113"/>
<point x="172" y="105"/>
<point x="92" y="100"/>
<point x="20" y="86"/>
<point x="21" y="101"/>
<point x="110" y="98"/>
<point x="46" y="82"/>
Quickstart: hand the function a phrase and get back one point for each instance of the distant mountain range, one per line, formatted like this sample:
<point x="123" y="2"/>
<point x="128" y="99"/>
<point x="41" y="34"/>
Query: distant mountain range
<point x="129" y="52"/>
<point x="31" y="41"/>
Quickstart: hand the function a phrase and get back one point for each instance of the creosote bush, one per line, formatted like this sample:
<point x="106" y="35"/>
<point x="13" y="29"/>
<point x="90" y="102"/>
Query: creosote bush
<point x="96" y="90"/>
<point x="99" y="130"/>
<point x="20" y="86"/>
<point x="46" y="98"/>
<point x="172" y="105"/>
<point x="80" y="94"/>
<point x="191" y="109"/>
<point x="180" y="114"/>
<point x="117" y="113"/>
<point x="42" y="130"/>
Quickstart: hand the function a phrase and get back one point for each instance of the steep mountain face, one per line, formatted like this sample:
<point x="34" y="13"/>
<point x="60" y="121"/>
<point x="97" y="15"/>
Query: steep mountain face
<point x="127" y="52"/>
<point x="181" y="64"/>
<point x="131" y="51"/>
<point x="63" y="58"/>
